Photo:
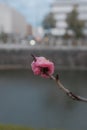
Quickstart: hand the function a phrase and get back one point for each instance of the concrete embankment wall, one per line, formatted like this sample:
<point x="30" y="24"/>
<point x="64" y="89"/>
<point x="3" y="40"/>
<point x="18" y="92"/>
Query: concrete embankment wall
<point x="63" y="58"/>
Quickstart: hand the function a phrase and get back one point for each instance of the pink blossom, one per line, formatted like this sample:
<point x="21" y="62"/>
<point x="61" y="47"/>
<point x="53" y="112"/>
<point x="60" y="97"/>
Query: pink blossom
<point x="43" y="67"/>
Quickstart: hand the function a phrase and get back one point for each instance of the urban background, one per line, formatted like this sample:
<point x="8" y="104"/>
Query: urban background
<point x="63" y="23"/>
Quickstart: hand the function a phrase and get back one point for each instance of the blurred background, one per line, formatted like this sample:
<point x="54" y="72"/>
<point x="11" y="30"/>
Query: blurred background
<point x="48" y="22"/>
<point x="56" y="29"/>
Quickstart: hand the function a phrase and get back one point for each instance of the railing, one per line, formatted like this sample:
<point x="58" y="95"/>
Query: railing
<point x="66" y="42"/>
<point x="50" y="43"/>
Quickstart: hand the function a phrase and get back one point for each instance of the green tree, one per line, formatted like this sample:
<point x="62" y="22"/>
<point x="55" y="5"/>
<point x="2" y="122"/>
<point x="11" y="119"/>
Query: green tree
<point x="3" y="37"/>
<point x="49" y="21"/>
<point x="75" y="24"/>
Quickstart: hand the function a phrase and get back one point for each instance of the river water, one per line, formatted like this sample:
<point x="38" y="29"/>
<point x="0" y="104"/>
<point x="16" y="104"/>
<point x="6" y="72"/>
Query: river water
<point x="29" y="100"/>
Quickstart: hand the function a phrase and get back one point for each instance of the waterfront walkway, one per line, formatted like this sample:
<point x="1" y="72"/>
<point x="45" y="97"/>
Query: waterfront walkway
<point x="18" y="56"/>
<point x="19" y="46"/>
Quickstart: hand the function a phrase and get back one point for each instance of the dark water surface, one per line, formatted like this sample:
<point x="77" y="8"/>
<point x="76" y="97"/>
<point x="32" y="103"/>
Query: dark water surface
<point x="32" y="101"/>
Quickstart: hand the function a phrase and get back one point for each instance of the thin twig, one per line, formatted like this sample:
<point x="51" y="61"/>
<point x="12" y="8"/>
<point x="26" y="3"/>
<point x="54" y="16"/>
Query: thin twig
<point x="34" y="58"/>
<point x="69" y="93"/>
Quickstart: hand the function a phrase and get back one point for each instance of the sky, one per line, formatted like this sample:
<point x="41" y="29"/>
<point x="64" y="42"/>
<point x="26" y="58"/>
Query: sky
<point x="33" y="10"/>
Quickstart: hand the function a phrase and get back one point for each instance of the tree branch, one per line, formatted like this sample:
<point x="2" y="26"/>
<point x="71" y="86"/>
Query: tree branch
<point x="69" y="93"/>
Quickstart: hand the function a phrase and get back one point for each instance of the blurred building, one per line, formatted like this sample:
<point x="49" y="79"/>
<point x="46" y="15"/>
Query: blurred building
<point x="11" y="21"/>
<point x="38" y="33"/>
<point x="60" y="8"/>
<point x="29" y="30"/>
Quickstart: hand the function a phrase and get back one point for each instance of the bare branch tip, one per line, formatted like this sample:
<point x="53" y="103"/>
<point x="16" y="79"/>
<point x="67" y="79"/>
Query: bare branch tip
<point x="34" y="58"/>
<point x="57" y="77"/>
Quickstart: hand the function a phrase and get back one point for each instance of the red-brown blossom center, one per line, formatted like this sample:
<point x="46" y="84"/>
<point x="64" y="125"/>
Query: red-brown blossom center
<point x="44" y="70"/>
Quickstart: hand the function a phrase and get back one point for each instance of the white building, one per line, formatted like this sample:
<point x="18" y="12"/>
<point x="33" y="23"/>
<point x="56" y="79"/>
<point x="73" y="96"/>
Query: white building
<point x="11" y="21"/>
<point x="60" y="8"/>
